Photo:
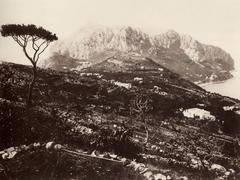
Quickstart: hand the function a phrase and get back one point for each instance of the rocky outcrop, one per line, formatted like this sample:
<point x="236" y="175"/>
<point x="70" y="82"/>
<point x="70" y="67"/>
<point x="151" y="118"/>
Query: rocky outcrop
<point x="180" y="53"/>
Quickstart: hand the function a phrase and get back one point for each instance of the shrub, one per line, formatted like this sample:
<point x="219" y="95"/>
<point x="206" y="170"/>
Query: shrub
<point x="20" y="125"/>
<point x="119" y="141"/>
<point x="106" y="139"/>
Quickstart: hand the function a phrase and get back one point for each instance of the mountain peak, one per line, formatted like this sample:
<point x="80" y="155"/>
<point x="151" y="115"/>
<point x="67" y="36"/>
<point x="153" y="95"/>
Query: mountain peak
<point x="180" y="53"/>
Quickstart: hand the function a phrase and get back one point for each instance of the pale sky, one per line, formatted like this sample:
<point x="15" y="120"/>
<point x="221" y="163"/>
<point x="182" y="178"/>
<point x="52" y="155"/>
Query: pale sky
<point x="215" y="22"/>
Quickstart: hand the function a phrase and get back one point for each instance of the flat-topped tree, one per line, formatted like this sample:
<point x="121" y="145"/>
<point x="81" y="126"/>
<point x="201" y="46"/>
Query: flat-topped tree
<point x="38" y="38"/>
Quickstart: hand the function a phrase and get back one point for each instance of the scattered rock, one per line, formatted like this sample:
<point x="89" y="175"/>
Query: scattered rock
<point x="194" y="161"/>
<point x="218" y="168"/>
<point x="24" y="147"/>
<point x="142" y="170"/>
<point x="148" y="175"/>
<point x="114" y="156"/>
<point x="138" y="166"/>
<point x="58" y="147"/>
<point x="49" y="145"/>
<point x="227" y="173"/>
<point x="5" y="155"/>
<point x="183" y="178"/>
<point x="106" y="155"/>
<point x="160" y="177"/>
<point x="125" y="161"/>
<point x="36" y="144"/>
<point x="11" y="154"/>
<point x="10" y="149"/>
<point x="232" y="171"/>
<point x="168" y="177"/>
<point x="205" y="162"/>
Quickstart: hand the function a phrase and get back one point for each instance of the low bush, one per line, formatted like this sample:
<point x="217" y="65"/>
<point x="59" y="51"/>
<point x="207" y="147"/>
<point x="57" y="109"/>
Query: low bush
<point x="106" y="139"/>
<point x="21" y="125"/>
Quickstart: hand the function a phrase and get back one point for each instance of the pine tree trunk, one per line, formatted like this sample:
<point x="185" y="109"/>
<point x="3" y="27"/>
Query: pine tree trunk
<point x="31" y="85"/>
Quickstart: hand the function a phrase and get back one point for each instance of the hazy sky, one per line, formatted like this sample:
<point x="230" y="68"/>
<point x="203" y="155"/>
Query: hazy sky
<point x="215" y="22"/>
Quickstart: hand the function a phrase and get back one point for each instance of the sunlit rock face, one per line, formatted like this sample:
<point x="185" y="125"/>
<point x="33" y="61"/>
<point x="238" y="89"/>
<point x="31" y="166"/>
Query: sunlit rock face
<point x="180" y="53"/>
<point x="198" y="113"/>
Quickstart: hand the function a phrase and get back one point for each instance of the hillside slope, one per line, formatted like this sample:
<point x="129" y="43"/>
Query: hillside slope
<point x="92" y="112"/>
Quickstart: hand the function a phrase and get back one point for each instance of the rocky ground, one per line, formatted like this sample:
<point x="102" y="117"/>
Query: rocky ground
<point x="83" y="126"/>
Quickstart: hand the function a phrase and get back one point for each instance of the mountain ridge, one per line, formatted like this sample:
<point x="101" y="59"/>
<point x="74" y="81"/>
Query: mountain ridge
<point x="169" y="48"/>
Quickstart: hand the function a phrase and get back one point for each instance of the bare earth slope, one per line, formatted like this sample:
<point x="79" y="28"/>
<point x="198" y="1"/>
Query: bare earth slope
<point x="91" y="113"/>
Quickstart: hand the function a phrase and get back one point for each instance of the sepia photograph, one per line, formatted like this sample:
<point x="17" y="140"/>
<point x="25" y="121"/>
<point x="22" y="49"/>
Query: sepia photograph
<point x="119" y="90"/>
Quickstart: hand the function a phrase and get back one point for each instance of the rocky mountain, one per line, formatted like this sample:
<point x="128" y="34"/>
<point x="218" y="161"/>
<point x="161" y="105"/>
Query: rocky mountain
<point x="180" y="53"/>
